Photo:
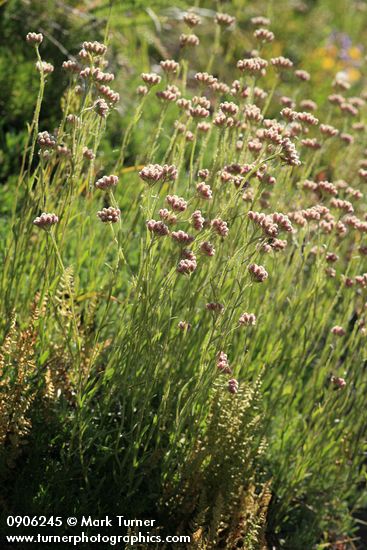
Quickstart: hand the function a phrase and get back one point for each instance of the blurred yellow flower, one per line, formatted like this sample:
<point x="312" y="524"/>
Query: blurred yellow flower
<point x="354" y="52"/>
<point x="328" y="62"/>
<point x="353" y="74"/>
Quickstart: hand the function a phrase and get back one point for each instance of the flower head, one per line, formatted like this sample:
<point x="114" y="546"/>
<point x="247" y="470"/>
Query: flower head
<point x="189" y="40"/>
<point x="153" y="173"/>
<point x="197" y="220"/>
<point x="264" y="35"/>
<point x="184" y="326"/>
<point x="34" y="38"/>
<point x="181" y="237"/>
<point x="45" y="221"/>
<point x="204" y="191"/>
<point x="107" y="182"/>
<point x="224" y="20"/>
<point x="169" y="66"/>
<point x="223" y="364"/>
<point x="258" y="273"/>
<point x="109" y="215"/>
<point x="101" y="107"/>
<point x="95" y="48"/>
<point x="281" y="62"/>
<point x="220" y="227"/>
<point x="338" y="382"/>
<point x="151" y="79"/>
<point x="247" y="319"/>
<point x="44" y="67"/>
<point x="158" y="228"/>
<point x="233" y="386"/>
<point x="252" y="65"/>
<point x="191" y="19"/>
<point x="338" y="331"/>
<point x="207" y="249"/>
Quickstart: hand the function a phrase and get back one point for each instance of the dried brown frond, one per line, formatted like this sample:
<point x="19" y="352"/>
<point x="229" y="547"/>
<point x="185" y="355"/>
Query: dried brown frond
<point x="18" y="382"/>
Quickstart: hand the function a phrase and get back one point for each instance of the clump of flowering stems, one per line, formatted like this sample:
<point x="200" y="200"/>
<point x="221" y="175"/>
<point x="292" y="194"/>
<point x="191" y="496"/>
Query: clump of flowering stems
<point x="207" y="213"/>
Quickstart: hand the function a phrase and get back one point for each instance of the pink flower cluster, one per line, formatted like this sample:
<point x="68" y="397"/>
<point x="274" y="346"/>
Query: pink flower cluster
<point x="188" y="264"/>
<point x="45" y="221"/>
<point x="233" y="386"/>
<point x="176" y="203"/>
<point x="197" y="220"/>
<point x="158" y="228"/>
<point x="107" y="182"/>
<point x="34" y="38"/>
<point x="44" y="139"/>
<point x="207" y="248"/>
<point x="153" y="173"/>
<point x="184" y="326"/>
<point x="338" y="331"/>
<point x="204" y="191"/>
<point x="215" y="307"/>
<point x="181" y="237"/>
<point x="247" y="319"/>
<point x="258" y="272"/>
<point x="252" y="65"/>
<point x="338" y="381"/>
<point x="220" y="227"/>
<point x="223" y="364"/>
<point x="167" y="216"/>
<point x="109" y="215"/>
<point x="96" y="48"/>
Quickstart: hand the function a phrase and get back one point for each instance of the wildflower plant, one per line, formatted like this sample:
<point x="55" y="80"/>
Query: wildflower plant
<point x="223" y="298"/>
